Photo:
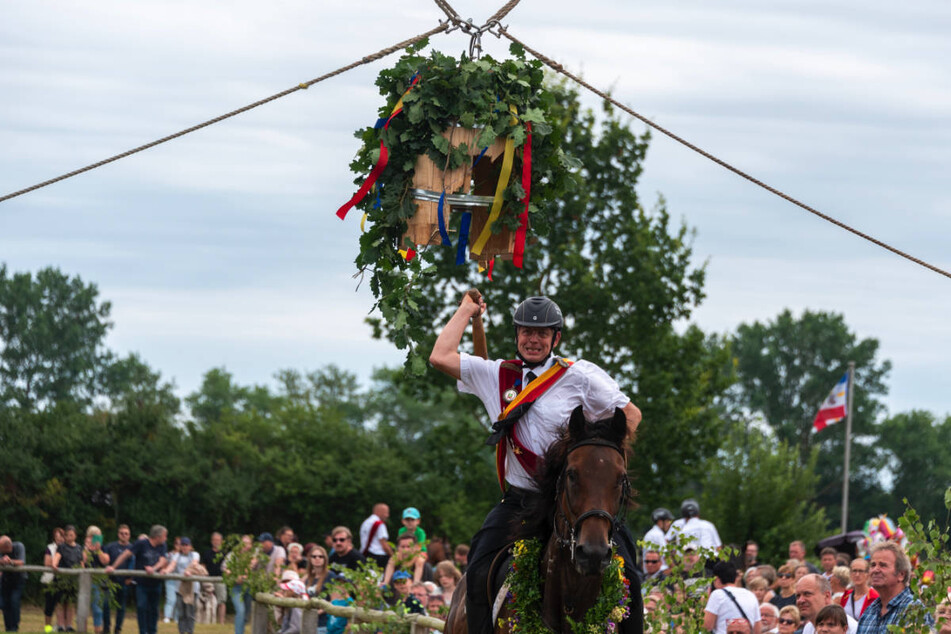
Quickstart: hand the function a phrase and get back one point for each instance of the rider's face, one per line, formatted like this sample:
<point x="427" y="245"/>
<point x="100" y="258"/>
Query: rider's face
<point x="534" y="344"/>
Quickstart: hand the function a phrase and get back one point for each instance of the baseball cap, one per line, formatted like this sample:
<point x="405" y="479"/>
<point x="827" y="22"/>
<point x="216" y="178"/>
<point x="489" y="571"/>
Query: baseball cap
<point x="184" y="541"/>
<point x="401" y="574"/>
<point x="265" y="537"/>
<point x="411" y="513"/>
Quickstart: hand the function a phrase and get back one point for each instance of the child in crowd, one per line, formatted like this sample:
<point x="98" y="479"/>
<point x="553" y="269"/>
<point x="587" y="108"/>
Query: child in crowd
<point x="187" y="595"/>
<point x="401" y="584"/>
<point x="339" y="595"/>
<point x="411" y="519"/>
<point x="292" y="588"/>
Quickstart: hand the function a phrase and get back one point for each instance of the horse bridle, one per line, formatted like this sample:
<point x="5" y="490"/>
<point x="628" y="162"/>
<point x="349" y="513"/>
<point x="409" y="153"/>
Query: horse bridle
<point x="614" y="521"/>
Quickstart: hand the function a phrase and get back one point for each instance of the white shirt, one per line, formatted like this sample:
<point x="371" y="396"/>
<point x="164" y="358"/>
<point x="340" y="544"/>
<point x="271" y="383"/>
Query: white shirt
<point x="725" y="609"/>
<point x="657" y="537"/>
<point x="704" y="532"/>
<point x="809" y="628"/>
<point x="375" y="548"/>
<point x="584" y="383"/>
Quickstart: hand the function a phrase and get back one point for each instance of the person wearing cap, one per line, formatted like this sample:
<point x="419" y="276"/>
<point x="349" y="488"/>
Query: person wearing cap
<point x="526" y="432"/>
<point x="178" y="562"/>
<point x="291" y="587"/>
<point x="411" y="519"/>
<point x="276" y="554"/>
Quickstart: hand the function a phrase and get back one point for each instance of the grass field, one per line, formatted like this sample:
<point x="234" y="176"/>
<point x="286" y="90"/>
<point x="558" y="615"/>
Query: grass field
<point x="31" y="622"/>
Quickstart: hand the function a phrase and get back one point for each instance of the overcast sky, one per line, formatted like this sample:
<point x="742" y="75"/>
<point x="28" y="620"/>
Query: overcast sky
<point x="222" y="249"/>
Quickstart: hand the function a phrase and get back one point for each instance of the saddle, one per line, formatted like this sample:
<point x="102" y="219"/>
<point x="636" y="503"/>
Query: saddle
<point x="495" y="581"/>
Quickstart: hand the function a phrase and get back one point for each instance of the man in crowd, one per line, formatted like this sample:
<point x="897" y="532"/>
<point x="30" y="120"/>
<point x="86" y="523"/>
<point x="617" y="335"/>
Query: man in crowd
<point x="11" y="583"/>
<point x="653" y="567"/>
<point x="750" y="555"/>
<point x="861" y="595"/>
<point x="374" y="536"/>
<point x="276" y="554"/>
<point x="461" y="557"/>
<point x="285" y="537"/>
<point x="150" y="557"/>
<point x="797" y="551"/>
<point x="344" y="553"/>
<point x="121" y="585"/>
<point x="813" y="593"/>
<point x="827" y="561"/>
<point x="890" y="571"/>
<point x="728" y="602"/>
<point x="769" y="615"/>
<point x="657" y="535"/>
<point x="211" y="560"/>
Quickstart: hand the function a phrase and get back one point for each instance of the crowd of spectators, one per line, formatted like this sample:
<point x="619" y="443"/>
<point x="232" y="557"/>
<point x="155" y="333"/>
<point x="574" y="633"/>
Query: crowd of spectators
<point x="415" y="575"/>
<point x="741" y="595"/>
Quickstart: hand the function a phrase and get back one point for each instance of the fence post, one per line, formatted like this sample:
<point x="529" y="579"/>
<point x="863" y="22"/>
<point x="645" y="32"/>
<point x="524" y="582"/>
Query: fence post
<point x="308" y="622"/>
<point x="83" y="599"/>
<point x="259" y="614"/>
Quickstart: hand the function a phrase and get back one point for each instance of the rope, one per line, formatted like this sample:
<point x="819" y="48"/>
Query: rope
<point x="303" y="86"/>
<point x="561" y="69"/>
<point x="504" y="11"/>
<point x="449" y="11"/>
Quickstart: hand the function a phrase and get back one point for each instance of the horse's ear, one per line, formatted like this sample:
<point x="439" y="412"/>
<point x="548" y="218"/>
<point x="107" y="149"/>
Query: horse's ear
<point x="619" y="427"/>
<point x="576" y="423"/>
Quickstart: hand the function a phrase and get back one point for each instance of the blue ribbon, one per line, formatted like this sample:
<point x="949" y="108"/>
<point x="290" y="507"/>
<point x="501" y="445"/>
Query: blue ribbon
<point x="442" y="221"/>
<point x="463" y="237"/>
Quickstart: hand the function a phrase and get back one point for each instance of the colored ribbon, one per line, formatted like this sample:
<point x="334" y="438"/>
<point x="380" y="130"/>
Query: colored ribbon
<point x="381" y="162"/>
<point x="463" y="237"/>
<point x="519" y="253"/>
<point x="491" y="266"/>
<point x="442" y="221"/>
<point x="499" y="190"/>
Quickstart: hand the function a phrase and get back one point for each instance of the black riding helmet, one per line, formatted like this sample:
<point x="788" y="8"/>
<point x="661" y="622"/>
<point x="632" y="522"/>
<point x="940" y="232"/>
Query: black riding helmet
<point x="690" y="508"/>
<point x="661" y="514"/>
<point x="538" y="312"/>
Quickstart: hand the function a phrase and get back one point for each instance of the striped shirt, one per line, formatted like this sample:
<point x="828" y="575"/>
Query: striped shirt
<point x="874" y="622"/>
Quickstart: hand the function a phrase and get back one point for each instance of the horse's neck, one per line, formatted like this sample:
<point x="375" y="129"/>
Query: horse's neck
<point x="567" y="593"/>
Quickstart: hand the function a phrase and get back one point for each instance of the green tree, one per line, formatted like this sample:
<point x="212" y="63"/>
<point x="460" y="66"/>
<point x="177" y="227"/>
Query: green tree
<point x="919" y="465"/>
<point x="755" y="488"/>
<point x="52" y="329"/>
<point x="624" y="278"/>
<point x="786" y="368"/>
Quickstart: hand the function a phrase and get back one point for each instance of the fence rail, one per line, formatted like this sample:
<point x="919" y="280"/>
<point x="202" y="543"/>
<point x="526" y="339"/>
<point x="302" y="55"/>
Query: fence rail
<point x="84" y="594"/>
<point x="419" y="623"/>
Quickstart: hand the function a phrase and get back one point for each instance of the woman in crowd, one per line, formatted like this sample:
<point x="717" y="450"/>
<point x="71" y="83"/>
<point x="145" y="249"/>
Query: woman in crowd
<point x="240" y="562"/>
<point x="315" y="579"/>
<point x="94" y="557"/>
<point x="295" y="558"/>
<point x="786" y="595"/>
<point x="831" y="620"/>
<point x="840" y="581"/>
<point x="789" y="619"/>
<point x="52" y="595"/>
<point x="447" y="576"/>
<point x="171" y="586"/>
<point x="69" y="554"/>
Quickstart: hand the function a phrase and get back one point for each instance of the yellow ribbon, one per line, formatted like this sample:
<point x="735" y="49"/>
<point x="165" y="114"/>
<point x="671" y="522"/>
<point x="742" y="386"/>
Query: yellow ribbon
<point x="535" y="385"/>
<point x="363" y="222"/>
<point x="507" y="158"/>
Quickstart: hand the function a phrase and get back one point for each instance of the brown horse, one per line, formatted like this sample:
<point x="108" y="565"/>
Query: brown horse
<point x="583" y="492"/>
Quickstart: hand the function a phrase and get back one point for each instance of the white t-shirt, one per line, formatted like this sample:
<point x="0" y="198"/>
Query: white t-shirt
<point x="584" y="384"/>
<point x="659" y="538"/>
<point x="809" y="628"/>
<point x="725" y="609"/>
<point x="704" y="532"/>
<point x="375" y="548"/>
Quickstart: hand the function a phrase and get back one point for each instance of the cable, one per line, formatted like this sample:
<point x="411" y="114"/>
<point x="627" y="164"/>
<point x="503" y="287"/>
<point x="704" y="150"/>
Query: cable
<point x="303" y="86"/>
<point x="561" y="69"/>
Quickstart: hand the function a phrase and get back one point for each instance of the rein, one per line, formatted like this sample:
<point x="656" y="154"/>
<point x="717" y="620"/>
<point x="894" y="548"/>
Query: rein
<point x="613" y="520"/>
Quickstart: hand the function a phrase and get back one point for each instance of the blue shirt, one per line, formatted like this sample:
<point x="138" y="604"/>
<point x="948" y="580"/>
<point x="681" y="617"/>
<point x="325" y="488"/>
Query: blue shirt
<point x="114" y="549"/>
<point x="873" y="622"/>
<point x="147" y="555"/>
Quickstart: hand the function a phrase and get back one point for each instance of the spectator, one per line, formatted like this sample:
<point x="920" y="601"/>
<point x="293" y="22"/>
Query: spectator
<point x="344" y="554"/>
<point x="653" y="568"/>
<point x="861" y="595"/>
<point x="787" y="591"/>
<point x="120" y="585"/>
<point x="657" y="535"/>
<point x="769" y="615"/>
<point x="291" y="587"/>
<point x="842" y="559"/>
<point x="150" y="556"/>
<point x="404" y="596"/>
<point x="95" y="557"/>
<point x="827" y="561"/>
<point x="211" y="559"/>
<point x="436" y="605"/>
<point x="788" y="619"/>
<point x="315" y="579"/>
<point x="276" y="555"/>
<point x="728" y="602"/>
<point x="408" y="558"/>
<point x="188" y="592"/>
<point x="411" y="519"/>
<point x="69" y="554"/>
<point x="447" y="576"/>
<point x="295" y="557"/>
<point x="341" y="597"/>
<point x="769" y="573"/>
<point x="178" y="563"/>
<point x="801" y="571"/>
<point x="285" y="537"/>
<point x="461" y="557"/>
<point x="11" y="583"/>
<point x="171" y="585"/>
<point x="812" y="594"/>
<point x="421" y="592"/>
<point x="52" y="594"/>
<point x="240" y="592"/>
<point x="373" y="536"/>
<point x="750" y="554"/>
<point x="436" y="550"/>
<point x="832" y="620"/>
<point x="759" y="587"/>
<point x="797" y="550"/>
<point x="943" y="617"/>
<point x="839" y="581"/>
<point x="889" y="570"/>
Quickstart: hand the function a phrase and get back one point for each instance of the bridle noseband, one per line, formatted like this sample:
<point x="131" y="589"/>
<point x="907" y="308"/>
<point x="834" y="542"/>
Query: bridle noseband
<point x="614" y="521"/>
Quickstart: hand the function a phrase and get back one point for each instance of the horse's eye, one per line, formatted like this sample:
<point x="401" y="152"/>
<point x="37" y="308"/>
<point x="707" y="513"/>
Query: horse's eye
<point x="572" y="476"/>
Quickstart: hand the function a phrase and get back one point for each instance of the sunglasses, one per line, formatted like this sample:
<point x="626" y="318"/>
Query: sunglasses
<point x="785" y="575"/>
<point x="787" y="621"/>
<point x="857" y="572"/>
<point x="652" y="561"/>
<point x="338" y="540"/>
<point x="317" y="556"/>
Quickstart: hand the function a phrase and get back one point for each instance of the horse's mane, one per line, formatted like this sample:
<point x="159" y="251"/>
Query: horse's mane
<point x="537" y="517"/>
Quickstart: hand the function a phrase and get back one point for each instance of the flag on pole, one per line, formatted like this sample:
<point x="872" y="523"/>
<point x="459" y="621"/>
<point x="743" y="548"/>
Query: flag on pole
<point x="834" y="408"/>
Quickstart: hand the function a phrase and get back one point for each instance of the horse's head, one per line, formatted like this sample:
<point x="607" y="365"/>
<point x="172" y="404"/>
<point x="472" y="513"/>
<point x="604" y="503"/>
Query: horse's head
<point x="593" y="489"/>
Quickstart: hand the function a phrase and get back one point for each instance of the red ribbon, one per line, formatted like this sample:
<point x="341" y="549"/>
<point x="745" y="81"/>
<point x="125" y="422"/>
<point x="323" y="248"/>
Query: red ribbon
<point x="491" y="266"/>
<point x="519" y="252"/>
<point x="380" y="163"/>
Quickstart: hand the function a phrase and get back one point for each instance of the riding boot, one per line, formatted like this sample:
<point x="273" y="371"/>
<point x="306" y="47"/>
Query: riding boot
<point x="633" y="624"/>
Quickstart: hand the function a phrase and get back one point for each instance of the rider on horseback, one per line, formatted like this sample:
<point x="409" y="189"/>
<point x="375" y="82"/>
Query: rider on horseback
<point x="534" y="417"/>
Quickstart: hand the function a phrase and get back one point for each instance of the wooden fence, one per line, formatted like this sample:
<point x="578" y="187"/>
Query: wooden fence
<point x="419" y="624"/>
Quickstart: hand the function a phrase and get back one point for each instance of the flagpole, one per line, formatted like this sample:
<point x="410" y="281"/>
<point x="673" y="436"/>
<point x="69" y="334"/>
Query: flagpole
<point x="848" y="447"/>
